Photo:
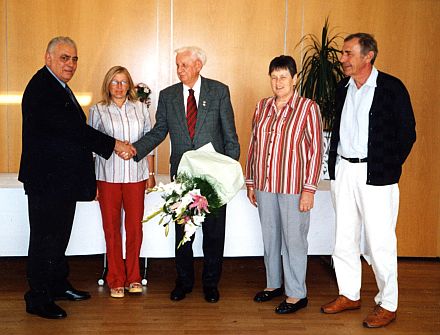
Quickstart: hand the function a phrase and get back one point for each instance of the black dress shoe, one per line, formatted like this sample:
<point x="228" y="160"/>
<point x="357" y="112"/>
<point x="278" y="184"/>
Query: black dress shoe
<point x="286" y="307"/>
<point x="211" y="294"/>
<point x="263" y="296"/>
<point x="72" y="295"/>
<point x="179" y="293"/>
<point x="49" y="310"/>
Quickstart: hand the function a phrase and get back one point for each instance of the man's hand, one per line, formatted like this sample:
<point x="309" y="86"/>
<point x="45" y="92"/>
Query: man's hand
<point x="125" y="150"/>
<point x="306" y="201"/>
<point x="251" y="196"/>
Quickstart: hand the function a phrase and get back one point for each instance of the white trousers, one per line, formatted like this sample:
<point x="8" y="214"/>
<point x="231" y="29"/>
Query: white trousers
<point x="375" y="208"/>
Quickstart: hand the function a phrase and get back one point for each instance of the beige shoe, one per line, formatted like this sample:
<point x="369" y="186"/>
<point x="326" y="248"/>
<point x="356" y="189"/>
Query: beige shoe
<point x="340" y="304"/>
<point x="135" y="288"/>
<point x="117" y="292"/>
<point x="379" y="317"/>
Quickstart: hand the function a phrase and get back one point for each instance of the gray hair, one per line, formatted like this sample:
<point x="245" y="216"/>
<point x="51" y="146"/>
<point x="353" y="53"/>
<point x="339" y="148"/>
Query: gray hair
<point x="59" y="40"/>
<point x="367" y="43"/>
<point x="196" y="52"/>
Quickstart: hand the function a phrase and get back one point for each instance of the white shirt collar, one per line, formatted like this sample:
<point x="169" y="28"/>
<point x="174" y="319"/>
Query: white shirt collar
<point x="126" y="102"/>
<point x="196" y="86"/>
<point x="371" y="81"/>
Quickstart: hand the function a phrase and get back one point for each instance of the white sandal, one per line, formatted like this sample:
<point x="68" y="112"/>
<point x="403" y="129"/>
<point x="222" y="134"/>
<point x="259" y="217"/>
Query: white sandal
<point x="135" y="288"/>
<point x="117" y="292"/>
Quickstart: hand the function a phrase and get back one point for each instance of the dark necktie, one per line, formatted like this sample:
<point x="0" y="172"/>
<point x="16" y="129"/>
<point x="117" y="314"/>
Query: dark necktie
<point x="191" y="113"/>
<point x="72" y="97"/>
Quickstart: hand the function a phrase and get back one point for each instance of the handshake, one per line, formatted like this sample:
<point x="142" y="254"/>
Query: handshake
<point x="125" y="149"/>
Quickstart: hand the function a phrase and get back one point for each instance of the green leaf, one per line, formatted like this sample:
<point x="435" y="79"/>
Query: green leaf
<point x="152" y="215"/>
<point x="321" y="71"/>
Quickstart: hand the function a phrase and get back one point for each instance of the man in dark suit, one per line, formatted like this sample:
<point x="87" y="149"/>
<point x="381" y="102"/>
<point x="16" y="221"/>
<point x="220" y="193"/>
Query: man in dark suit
<point x="373" y="134"/>
<point x="194" y="112"/>
<point x="57" y="170"/>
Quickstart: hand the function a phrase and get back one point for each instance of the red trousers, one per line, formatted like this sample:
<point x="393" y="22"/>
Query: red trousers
<point x="112" y="198"/>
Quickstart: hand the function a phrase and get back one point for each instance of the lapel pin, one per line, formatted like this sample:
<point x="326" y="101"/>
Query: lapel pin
<point x="204" y="103"/>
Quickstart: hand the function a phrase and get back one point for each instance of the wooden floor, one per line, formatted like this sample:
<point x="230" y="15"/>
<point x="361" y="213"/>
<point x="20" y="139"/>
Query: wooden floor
<point x="235" y="313"/>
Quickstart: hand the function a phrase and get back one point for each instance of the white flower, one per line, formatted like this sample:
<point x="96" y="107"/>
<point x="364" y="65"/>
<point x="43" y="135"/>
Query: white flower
<point x="198" y="219"/>
<point x="190" y="228"/>
<point x="169" y="188"/>
<point x="164" y="187"/>
<point x="184" y="202"/>
<point x="178" y="198"/>
<point x="195" y="191"/>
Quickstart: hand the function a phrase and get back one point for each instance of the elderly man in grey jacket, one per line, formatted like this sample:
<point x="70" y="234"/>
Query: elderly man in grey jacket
<point x="194" y="112"/>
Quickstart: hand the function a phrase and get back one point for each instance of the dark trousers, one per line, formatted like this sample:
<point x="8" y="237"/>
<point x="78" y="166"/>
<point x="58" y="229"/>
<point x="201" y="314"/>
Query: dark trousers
<point x="50" y="220"/>
<point x="213" y="246"/>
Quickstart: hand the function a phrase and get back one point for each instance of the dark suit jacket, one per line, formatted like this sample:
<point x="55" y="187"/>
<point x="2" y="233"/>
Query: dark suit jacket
<point x="215" y="123"/>
<point x="57" y="144"/>
<point x="391" y="132"/>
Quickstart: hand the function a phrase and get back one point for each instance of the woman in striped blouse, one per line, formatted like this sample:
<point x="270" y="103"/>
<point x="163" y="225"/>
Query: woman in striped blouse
<point x="282" y="173"/>
<point x="121" y="183"/>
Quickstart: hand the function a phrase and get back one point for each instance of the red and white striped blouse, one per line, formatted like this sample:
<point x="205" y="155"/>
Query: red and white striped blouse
<point x="285" y="150"/>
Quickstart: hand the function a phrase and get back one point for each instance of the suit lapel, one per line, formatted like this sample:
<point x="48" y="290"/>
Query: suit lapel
<point x="76" y="104"/>
<point x="179" y="109"/>
<point x="202" y="108"/>
<point x="63" y="93"/>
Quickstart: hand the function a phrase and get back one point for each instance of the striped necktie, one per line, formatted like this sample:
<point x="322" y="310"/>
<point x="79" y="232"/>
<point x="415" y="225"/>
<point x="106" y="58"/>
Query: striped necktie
<point x="191" y="113"/>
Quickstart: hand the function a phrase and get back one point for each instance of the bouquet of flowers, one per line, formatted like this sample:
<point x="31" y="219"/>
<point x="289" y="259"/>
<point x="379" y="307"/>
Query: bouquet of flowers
<point x="187" y="201"/>
<point x="143" y="93"/>
<point x="206" y="180"/>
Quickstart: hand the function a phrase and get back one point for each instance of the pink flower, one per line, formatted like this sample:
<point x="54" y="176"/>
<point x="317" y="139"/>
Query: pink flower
<point x="199" y="202"/>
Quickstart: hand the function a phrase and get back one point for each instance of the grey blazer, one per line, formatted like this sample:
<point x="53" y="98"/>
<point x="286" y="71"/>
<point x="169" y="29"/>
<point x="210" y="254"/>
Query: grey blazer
<point x="215" y="123"/>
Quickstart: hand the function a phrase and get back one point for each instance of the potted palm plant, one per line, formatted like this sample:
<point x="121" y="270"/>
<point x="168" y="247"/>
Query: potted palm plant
<point x="318" y="78"/>
<point x="321" y="71"/>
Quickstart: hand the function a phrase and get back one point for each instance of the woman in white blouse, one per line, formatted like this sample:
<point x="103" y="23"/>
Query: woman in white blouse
<point x="121" y="183"/>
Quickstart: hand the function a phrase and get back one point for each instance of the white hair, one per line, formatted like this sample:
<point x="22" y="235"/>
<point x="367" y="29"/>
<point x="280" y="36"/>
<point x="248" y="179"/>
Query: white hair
<point x="196" y="52"/>
<point x="59" y="40"/>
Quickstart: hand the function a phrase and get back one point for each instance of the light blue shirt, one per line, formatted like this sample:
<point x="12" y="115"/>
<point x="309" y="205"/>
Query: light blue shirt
<point x="353" y="131"/>
<point x="53" y="74"/>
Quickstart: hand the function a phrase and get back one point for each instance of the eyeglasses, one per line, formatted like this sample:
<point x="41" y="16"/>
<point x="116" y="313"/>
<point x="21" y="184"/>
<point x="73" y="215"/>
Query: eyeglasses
<point x="116" y="83"/>
<point x="65" y="59"/>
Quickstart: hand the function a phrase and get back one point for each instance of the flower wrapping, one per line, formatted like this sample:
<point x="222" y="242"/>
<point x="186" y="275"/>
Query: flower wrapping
<point x="222" y="171"/>
<point x="205" y="181"/>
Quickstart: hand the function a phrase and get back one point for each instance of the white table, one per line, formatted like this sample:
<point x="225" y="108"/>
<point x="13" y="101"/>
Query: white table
<point x="243" y="232"/>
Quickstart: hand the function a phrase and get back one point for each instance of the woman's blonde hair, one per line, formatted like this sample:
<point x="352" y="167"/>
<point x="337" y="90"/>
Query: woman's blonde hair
<point x="105" y="92"/>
